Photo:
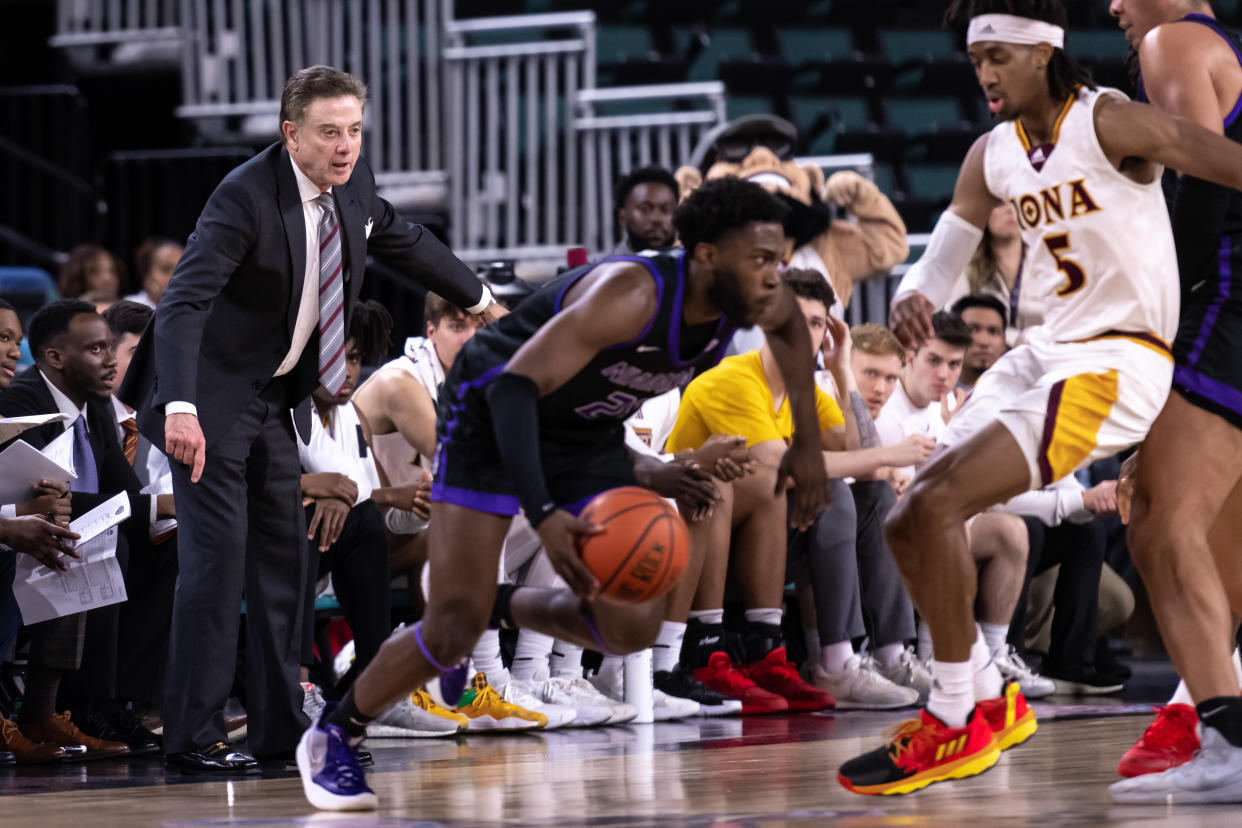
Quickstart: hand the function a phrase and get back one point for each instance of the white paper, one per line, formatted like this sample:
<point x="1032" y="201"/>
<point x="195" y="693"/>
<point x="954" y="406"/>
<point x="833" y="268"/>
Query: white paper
<point x="60" y="451"/>
<point x="104" y="516"/>
<point x="10" y="427"/>
<point x="158" y="487"/>
<point x="22" y="466"/>
<point x="93" y="581"/>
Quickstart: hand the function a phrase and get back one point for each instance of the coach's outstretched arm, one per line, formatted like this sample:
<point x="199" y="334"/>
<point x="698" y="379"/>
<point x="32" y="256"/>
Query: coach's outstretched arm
<point x="612" y="310"/>
<point x="925" y="287"/>
<point x="803" y="462"/>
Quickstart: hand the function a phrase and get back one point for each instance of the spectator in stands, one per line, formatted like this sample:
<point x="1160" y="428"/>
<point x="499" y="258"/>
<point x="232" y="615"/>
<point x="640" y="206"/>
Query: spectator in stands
<point x="74" y="368"/>
<point x="644" y="202"/>
<point x="244" y="333"/>
<point x="984" y="314"/>
<point x="93" y="274"/>
<point x="154" y="261"/>
<point x="996" y="269"/>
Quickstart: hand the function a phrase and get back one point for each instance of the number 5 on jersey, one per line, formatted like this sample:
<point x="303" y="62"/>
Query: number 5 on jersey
<point x="1075" y="278"/>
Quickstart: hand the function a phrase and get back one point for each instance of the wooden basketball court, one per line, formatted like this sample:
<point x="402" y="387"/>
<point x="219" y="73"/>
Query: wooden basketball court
<point x="764" y="771"/>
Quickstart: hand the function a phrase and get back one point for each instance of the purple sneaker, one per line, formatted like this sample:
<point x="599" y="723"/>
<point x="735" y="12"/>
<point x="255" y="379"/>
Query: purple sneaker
<point x="328" y="764"/>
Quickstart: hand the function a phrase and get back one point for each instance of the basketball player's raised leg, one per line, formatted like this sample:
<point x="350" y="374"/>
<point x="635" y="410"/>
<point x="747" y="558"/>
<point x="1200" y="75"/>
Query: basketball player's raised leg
<point x="927" y="531"/>
<point x="461" y="541"/>
<point x="1187" y="471"/>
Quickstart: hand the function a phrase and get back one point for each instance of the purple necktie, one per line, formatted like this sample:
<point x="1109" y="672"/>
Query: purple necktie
<point x="83" y="460"/>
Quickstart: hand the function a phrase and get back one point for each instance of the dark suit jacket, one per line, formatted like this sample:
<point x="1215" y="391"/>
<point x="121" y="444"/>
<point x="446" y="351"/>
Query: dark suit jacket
<point x="28" y="394"/>
<point x="226" y="320"/>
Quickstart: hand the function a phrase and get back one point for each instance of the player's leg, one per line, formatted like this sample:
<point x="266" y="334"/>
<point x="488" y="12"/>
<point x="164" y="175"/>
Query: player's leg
<point x="462" y="540"/>
<point x="1188" y="468"/>
<point x="1182" y="537"/>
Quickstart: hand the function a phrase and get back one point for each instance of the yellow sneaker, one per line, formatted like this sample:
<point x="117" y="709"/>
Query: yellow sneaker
<point x="423" y="700"/>
<point x="486" y="710"/>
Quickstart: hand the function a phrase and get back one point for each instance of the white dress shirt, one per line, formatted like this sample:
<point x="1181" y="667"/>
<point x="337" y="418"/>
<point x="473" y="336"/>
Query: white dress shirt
<point x="151" y="467"/>
<point x="308" y="307"/>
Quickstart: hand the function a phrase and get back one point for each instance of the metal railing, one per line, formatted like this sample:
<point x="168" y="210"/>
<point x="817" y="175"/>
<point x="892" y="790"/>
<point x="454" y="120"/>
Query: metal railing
<point x="512" y="161"/>
<point x="94" y="22"/>
<point x="240" y="53"/>
<point x="657" y="124"/>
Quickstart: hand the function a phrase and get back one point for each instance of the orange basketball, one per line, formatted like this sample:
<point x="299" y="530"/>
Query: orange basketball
<point x="644" y="547"/>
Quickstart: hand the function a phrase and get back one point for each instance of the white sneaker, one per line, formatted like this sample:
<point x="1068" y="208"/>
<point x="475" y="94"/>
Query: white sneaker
<point x="909" y="671"/>
<point x="405" y="720"/>
<point x="312" y="701"/>
<point x="1213" y="775"/>
<point x="666" y="708"/>
<point x="859" y="686"/>
<point x="525" y="694"/>
<point x="578" y="693"/>
<point x="1013" y="668"/>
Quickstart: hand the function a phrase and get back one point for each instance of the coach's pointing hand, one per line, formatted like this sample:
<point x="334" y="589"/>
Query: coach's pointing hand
<point x="560" y="532"/>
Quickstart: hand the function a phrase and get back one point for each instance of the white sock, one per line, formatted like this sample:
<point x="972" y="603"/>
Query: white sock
<point x="890" y="654"/>
<point x="566" y="660"/>
<point x="486" y="657"/>
<point x="712" y="616"/>
<point x="530" y="656"/>
<point x="952" y="697"/>
<point x="770" y="615"/>
<point x="995" y="635"/>
<point x="1182" y="695"/>
<point x="666" y="653"/>
<point x="811" y="637"/>
<point x="988" y="682"/>
<point x="832" y="657"/>
<point x="925" y="642"/>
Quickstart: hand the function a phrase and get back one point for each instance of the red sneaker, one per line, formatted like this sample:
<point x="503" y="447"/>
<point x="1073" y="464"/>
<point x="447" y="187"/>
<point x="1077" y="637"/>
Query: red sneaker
<point x="779" y="676"/>
<point x="1167" y="742"/>
<point x="919" y="752"/>
<point x="720" y="676"/>
<point x="1011" y="720"/>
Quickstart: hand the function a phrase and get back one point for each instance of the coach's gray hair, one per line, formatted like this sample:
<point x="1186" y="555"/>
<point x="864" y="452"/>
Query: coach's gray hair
<point x="305" y="85"/>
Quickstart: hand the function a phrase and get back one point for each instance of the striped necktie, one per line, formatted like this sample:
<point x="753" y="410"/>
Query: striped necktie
<point x="331" y="299"/>
<point x="129" y="439"/>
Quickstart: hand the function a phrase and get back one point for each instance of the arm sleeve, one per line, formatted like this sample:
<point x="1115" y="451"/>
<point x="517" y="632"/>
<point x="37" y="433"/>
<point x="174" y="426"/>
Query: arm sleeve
<point x="952" y="243"/>
<point x="517" y="432"/>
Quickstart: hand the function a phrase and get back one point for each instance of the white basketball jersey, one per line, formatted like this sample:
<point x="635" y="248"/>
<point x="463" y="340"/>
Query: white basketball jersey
<point x="1101" y="252"/>
<point x="401" y="461"/>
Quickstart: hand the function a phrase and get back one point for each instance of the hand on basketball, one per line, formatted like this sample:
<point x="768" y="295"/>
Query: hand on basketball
<point x="802" y="467"/>
<point x="560" y="532"/>
<point x="725" y="456"/>
<point x="1125" y="486"/>
<point x="911" y="319"/>
<point x="184" y="442"/>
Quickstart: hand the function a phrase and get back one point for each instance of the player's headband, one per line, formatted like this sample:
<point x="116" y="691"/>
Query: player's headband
<point x="1009" y="28"/>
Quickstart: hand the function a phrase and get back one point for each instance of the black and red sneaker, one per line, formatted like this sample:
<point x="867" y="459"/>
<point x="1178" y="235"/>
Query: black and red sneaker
<point x="719" y="675"/>
<point x="778" y="675"/>
<point x="919" y="752"/>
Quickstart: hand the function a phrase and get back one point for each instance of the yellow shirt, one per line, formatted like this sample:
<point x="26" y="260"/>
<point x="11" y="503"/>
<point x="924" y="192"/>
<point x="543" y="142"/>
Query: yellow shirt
<point x="734" y="398"/>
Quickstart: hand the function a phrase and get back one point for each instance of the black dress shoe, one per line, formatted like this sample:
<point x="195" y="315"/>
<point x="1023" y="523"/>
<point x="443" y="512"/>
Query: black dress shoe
<point x="131" y="731"/>
<point x="123" y="727"/>
<point x="217" y="758"/>
<point x="7" y="758"/>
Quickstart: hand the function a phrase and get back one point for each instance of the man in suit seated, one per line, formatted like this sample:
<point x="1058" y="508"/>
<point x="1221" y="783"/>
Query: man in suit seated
<point x="74" y="368"/>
